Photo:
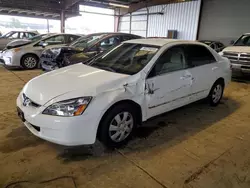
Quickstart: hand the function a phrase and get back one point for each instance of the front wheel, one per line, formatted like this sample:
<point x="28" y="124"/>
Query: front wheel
<point x="216" y="93"/>
<point x="29" y="61"/>
<point x="117" y="126"/>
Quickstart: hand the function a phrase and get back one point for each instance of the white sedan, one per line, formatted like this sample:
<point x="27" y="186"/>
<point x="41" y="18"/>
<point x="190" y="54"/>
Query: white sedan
<point x="117" y="91"/>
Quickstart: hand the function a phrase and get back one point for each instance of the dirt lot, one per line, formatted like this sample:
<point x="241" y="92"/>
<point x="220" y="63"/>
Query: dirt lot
<point x="196" y="146"/>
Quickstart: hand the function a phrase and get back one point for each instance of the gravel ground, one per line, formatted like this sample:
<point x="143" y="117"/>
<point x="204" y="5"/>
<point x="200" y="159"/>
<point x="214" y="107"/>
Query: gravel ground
<point x="193" y="147"/>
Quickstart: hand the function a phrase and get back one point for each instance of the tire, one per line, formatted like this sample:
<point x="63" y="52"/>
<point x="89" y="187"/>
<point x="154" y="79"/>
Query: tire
<point x="216" y="93"/>
<point x="29" y="61"/>
<point x="115" y="132"/>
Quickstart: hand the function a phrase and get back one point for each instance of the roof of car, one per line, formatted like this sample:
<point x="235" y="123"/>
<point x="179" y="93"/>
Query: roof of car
<point x="212" y="41"/>
<point x="159" y="41"/>
<point x="110" y="33"/>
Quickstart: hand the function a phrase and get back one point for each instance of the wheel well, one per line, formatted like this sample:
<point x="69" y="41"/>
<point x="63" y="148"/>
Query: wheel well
<point x="133" y="104"/>
<point x="221" y="80"/>
<point x="29" y="54"/>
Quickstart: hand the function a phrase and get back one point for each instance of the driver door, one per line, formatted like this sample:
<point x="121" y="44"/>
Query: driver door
<point x="168" y="85"/>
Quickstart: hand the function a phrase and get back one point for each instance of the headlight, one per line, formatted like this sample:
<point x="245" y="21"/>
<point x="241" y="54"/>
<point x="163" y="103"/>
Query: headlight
<point x="68" y="108"/>
<point x="16" y="49"/>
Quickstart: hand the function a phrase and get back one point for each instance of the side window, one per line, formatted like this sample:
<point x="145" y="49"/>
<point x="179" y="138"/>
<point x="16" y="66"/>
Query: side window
<point x="23" y="35"/>
<point x="14" y="35"/>
<point x="213" y="46"/>
<point x="198" y="55"/>
<point x="109" y="42"/>
<point x="72" y="38"/>
<point x="59" y="39"/>
<point x="171" y="60"/>
<point x="220" y="45"/>
<point x="30" y="35"/>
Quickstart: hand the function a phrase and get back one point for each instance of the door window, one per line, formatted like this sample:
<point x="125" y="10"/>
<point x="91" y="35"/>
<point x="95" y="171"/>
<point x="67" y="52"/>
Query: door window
<point x="23" y="35"/>
<point x="72" y="38"/>
<point x="14" y="35"/>
<point x="30" y="35"/>
<point x="59" y="39"/>
<point x="198" y="55"/>
<point x="171" y="60"/>
<point x="213" y="46"/>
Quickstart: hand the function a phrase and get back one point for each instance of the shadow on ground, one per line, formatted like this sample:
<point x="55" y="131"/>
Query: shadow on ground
<point x="168" y="129"/>
<point x="18" y="139"/>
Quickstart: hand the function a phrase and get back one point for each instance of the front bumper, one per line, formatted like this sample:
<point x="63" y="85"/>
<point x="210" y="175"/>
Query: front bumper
<point x="239" y="69"/>
<point x="67" y="131"/>
<point x="9" y="59"/>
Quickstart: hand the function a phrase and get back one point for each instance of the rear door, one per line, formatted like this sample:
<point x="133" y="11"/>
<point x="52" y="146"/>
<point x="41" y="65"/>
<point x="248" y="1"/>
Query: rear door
<point x="205" y="70"/>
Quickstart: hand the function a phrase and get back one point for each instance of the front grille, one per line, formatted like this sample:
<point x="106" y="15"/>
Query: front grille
<point x="238" y="58"/>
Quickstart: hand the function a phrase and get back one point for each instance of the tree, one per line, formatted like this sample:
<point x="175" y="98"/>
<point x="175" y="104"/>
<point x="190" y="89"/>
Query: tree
<point x="16" y="23"/>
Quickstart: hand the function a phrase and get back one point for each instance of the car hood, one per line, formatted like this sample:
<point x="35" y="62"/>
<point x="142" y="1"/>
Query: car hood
<point x="79" y="57"/>
<point x="17" y="43"/>
<point x="240" y="49"/>
<point x="70" y="82"/>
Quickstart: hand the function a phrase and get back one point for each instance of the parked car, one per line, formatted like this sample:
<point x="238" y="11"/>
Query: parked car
<point x="108" y="98"/>
<point x="5" y="39"/>
<point x="17" y="42"/>
<point x="217" y="46"/>
<point x="82" y="49"/>
<point x="27" y="55"/>
<point x="239" y="55"/>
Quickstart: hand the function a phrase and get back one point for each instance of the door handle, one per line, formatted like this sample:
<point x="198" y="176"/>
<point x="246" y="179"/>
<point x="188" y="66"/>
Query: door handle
<point x="186" y="77"/>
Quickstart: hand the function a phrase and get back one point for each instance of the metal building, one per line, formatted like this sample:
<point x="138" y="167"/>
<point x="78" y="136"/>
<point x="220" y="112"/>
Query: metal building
<point x="156" y="21"/>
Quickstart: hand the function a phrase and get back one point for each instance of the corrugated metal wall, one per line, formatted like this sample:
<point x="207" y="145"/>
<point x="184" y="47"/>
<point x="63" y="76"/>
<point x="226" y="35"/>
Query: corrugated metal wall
<point x="224" y="21"/>
<point x="182" y="17"/>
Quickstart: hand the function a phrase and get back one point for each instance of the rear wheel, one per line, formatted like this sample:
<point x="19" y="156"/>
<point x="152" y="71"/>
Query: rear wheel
<point x="29" y="61"/>
<point x="117" y="126"/>
<point x="216" y="93"/>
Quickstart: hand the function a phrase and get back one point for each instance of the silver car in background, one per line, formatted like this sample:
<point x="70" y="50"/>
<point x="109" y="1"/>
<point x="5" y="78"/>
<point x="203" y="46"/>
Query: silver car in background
<point x="13" y="35"/>
<point x="27" y="55"/>
<point x="24" y="41"/>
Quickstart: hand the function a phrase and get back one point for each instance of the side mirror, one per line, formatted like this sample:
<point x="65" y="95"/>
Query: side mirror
<point x="232" y="42"/>
<point x="43" y="44"/>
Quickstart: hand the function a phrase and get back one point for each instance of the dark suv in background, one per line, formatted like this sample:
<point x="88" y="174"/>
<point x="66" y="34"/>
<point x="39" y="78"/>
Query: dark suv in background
<point x="82" y="49"/>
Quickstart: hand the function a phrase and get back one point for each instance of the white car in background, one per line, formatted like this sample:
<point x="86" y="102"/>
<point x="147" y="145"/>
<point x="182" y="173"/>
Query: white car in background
<point x="13" y="35"/>
<point x="117" y="91"/>
<point x="27" y="55"/>
<point x="17" y="42"/>
<point x="239" y="55"/>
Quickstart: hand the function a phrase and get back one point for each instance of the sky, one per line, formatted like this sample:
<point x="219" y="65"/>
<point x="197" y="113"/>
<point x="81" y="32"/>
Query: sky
<point x="84" y="24"/>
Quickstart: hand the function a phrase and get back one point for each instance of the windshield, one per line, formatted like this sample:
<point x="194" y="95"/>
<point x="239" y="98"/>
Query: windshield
<point x="38" y="37"/>
<point x="128" y="58"/>
<point x="7" y="35"/>
<point x="86" y="41"/>
<point x="244" y="40"/>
